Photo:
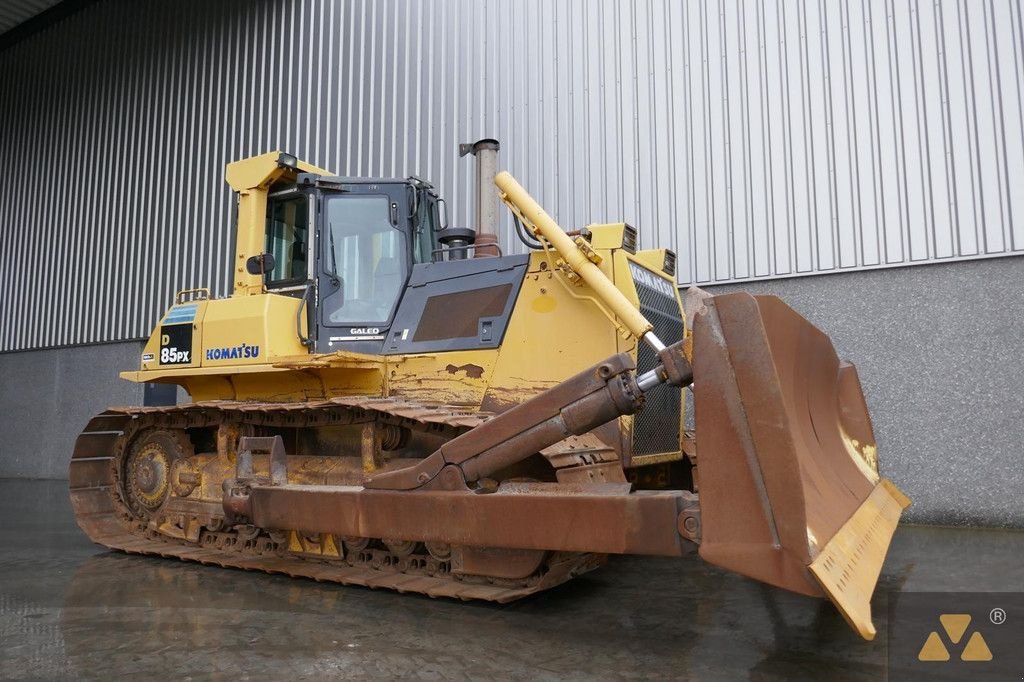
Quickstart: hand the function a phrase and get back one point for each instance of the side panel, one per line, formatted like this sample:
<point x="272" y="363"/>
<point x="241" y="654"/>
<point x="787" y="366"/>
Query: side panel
<point x="555" y="331"/>
<point x="241" y="330"/>
<point x="246" y="330"/>
<point x="457" y="305"/>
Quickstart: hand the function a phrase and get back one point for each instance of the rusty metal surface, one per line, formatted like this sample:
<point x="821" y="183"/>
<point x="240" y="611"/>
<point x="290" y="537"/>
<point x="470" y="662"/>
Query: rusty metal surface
<point x="74" y="611"/>
<point x="603" y="518"/>
<point x="785" y="460"/>
<point x="776" y="477"/>
<point x="314" y="411"/>
<point x="675" y="365"/>
<point x="576" y="406"/>
<point x="278" y="468"/>
<point x="510" y="564"/>
<point x="584" y="459"/>
<point x="101" y="512"/>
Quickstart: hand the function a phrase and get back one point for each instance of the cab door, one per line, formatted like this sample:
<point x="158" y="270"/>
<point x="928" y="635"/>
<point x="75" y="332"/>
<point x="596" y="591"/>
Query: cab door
<point x="365" y="259"/>
<point x="290" y="237"/>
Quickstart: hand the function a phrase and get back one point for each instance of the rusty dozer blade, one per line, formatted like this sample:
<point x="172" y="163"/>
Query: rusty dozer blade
<point x="786" y="465"/>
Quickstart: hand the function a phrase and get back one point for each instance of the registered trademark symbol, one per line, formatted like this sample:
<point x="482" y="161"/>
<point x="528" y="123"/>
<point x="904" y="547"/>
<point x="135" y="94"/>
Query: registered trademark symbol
<point x="997" y="616"/>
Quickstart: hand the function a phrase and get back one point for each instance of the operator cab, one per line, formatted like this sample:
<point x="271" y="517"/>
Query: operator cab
<point x="379" y="272"/>
<point x="362" y="237"/>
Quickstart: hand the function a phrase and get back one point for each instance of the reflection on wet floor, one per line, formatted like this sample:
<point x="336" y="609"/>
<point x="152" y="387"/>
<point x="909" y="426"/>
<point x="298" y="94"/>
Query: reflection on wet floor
<point x="70" y="609"/>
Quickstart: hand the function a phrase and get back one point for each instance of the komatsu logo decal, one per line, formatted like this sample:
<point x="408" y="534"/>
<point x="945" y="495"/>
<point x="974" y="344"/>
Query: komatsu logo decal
<point x="243" y="352"/>
<point x="648" y="279"/>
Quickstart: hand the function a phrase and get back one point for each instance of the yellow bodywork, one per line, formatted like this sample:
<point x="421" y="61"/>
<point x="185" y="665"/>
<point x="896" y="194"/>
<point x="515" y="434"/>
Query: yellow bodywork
<point x="577" y="259"/>
<point x="849" y="565"/>
<point x="557" y="328"/>
<point x="248" y="347"/>
<point x="251" y="178"/>
<point x="577" y="305"/>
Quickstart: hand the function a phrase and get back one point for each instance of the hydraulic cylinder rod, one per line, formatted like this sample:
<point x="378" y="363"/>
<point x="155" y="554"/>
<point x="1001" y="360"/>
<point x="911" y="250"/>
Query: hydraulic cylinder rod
<point x="543" y="225"/>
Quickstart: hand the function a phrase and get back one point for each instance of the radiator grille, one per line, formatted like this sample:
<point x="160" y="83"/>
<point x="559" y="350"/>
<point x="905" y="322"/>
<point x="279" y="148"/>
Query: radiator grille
<point x="656" y="426"/>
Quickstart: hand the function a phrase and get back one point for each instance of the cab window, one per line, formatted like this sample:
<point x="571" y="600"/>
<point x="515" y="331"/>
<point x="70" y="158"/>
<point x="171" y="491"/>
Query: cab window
<point x="288" y="240"/>
<point x="368" y="257"/>
<point x="426" y="228"/>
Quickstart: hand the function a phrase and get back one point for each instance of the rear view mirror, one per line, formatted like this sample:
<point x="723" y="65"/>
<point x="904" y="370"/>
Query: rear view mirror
<point x="261" y="264"/>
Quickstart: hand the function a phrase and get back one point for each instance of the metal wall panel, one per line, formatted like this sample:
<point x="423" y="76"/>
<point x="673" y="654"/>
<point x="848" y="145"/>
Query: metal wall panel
<point x="757" y="139"/>
<point x="15" y="12"/>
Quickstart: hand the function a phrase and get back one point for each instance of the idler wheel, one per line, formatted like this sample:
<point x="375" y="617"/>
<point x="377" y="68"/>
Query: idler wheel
<point x="147" y="468"/>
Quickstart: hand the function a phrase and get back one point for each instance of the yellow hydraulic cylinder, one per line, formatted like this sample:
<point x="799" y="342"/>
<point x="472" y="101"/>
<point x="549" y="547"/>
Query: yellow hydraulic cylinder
<point x="545" y="226"/>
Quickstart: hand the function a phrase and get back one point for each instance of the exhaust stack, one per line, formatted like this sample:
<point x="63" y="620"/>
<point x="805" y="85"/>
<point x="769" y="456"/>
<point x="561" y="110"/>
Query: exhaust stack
<point x="486" y="153"/>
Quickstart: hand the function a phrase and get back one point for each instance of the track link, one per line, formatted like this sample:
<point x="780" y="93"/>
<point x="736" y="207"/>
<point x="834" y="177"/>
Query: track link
<point x="103" y="513"/>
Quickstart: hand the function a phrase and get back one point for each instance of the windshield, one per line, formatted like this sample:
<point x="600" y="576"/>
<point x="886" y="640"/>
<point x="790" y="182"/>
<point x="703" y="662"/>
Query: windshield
<point x="368" y="256"/>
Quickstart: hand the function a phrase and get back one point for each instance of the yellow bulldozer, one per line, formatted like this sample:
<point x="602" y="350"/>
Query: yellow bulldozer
<point x="387" y="401"/>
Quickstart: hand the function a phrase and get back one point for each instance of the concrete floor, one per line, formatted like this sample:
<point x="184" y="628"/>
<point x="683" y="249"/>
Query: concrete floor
<point x="69" y="609"/>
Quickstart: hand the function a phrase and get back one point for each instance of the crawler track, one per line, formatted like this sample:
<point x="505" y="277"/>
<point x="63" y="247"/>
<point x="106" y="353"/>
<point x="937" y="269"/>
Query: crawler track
<point x="102" y="511"/>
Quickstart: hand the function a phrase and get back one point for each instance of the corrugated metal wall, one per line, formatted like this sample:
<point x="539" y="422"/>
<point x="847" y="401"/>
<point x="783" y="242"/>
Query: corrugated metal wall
<point x="14" y="12"/>
<point x="756" y="139"/>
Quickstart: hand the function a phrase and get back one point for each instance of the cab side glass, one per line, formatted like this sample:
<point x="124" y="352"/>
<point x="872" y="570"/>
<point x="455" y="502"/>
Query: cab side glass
<point x="426" y="229"/>
<point x="288" y="240"/>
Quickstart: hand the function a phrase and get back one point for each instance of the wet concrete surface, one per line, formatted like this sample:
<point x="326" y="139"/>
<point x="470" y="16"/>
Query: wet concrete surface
<point x="69" y="609"/>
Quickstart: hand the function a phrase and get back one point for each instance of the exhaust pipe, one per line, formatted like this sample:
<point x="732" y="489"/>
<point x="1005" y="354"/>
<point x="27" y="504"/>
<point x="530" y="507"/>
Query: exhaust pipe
<point x="486" y="153"/>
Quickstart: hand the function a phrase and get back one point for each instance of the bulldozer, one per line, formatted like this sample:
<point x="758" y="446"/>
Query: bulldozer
<point x="387" y="401"/>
